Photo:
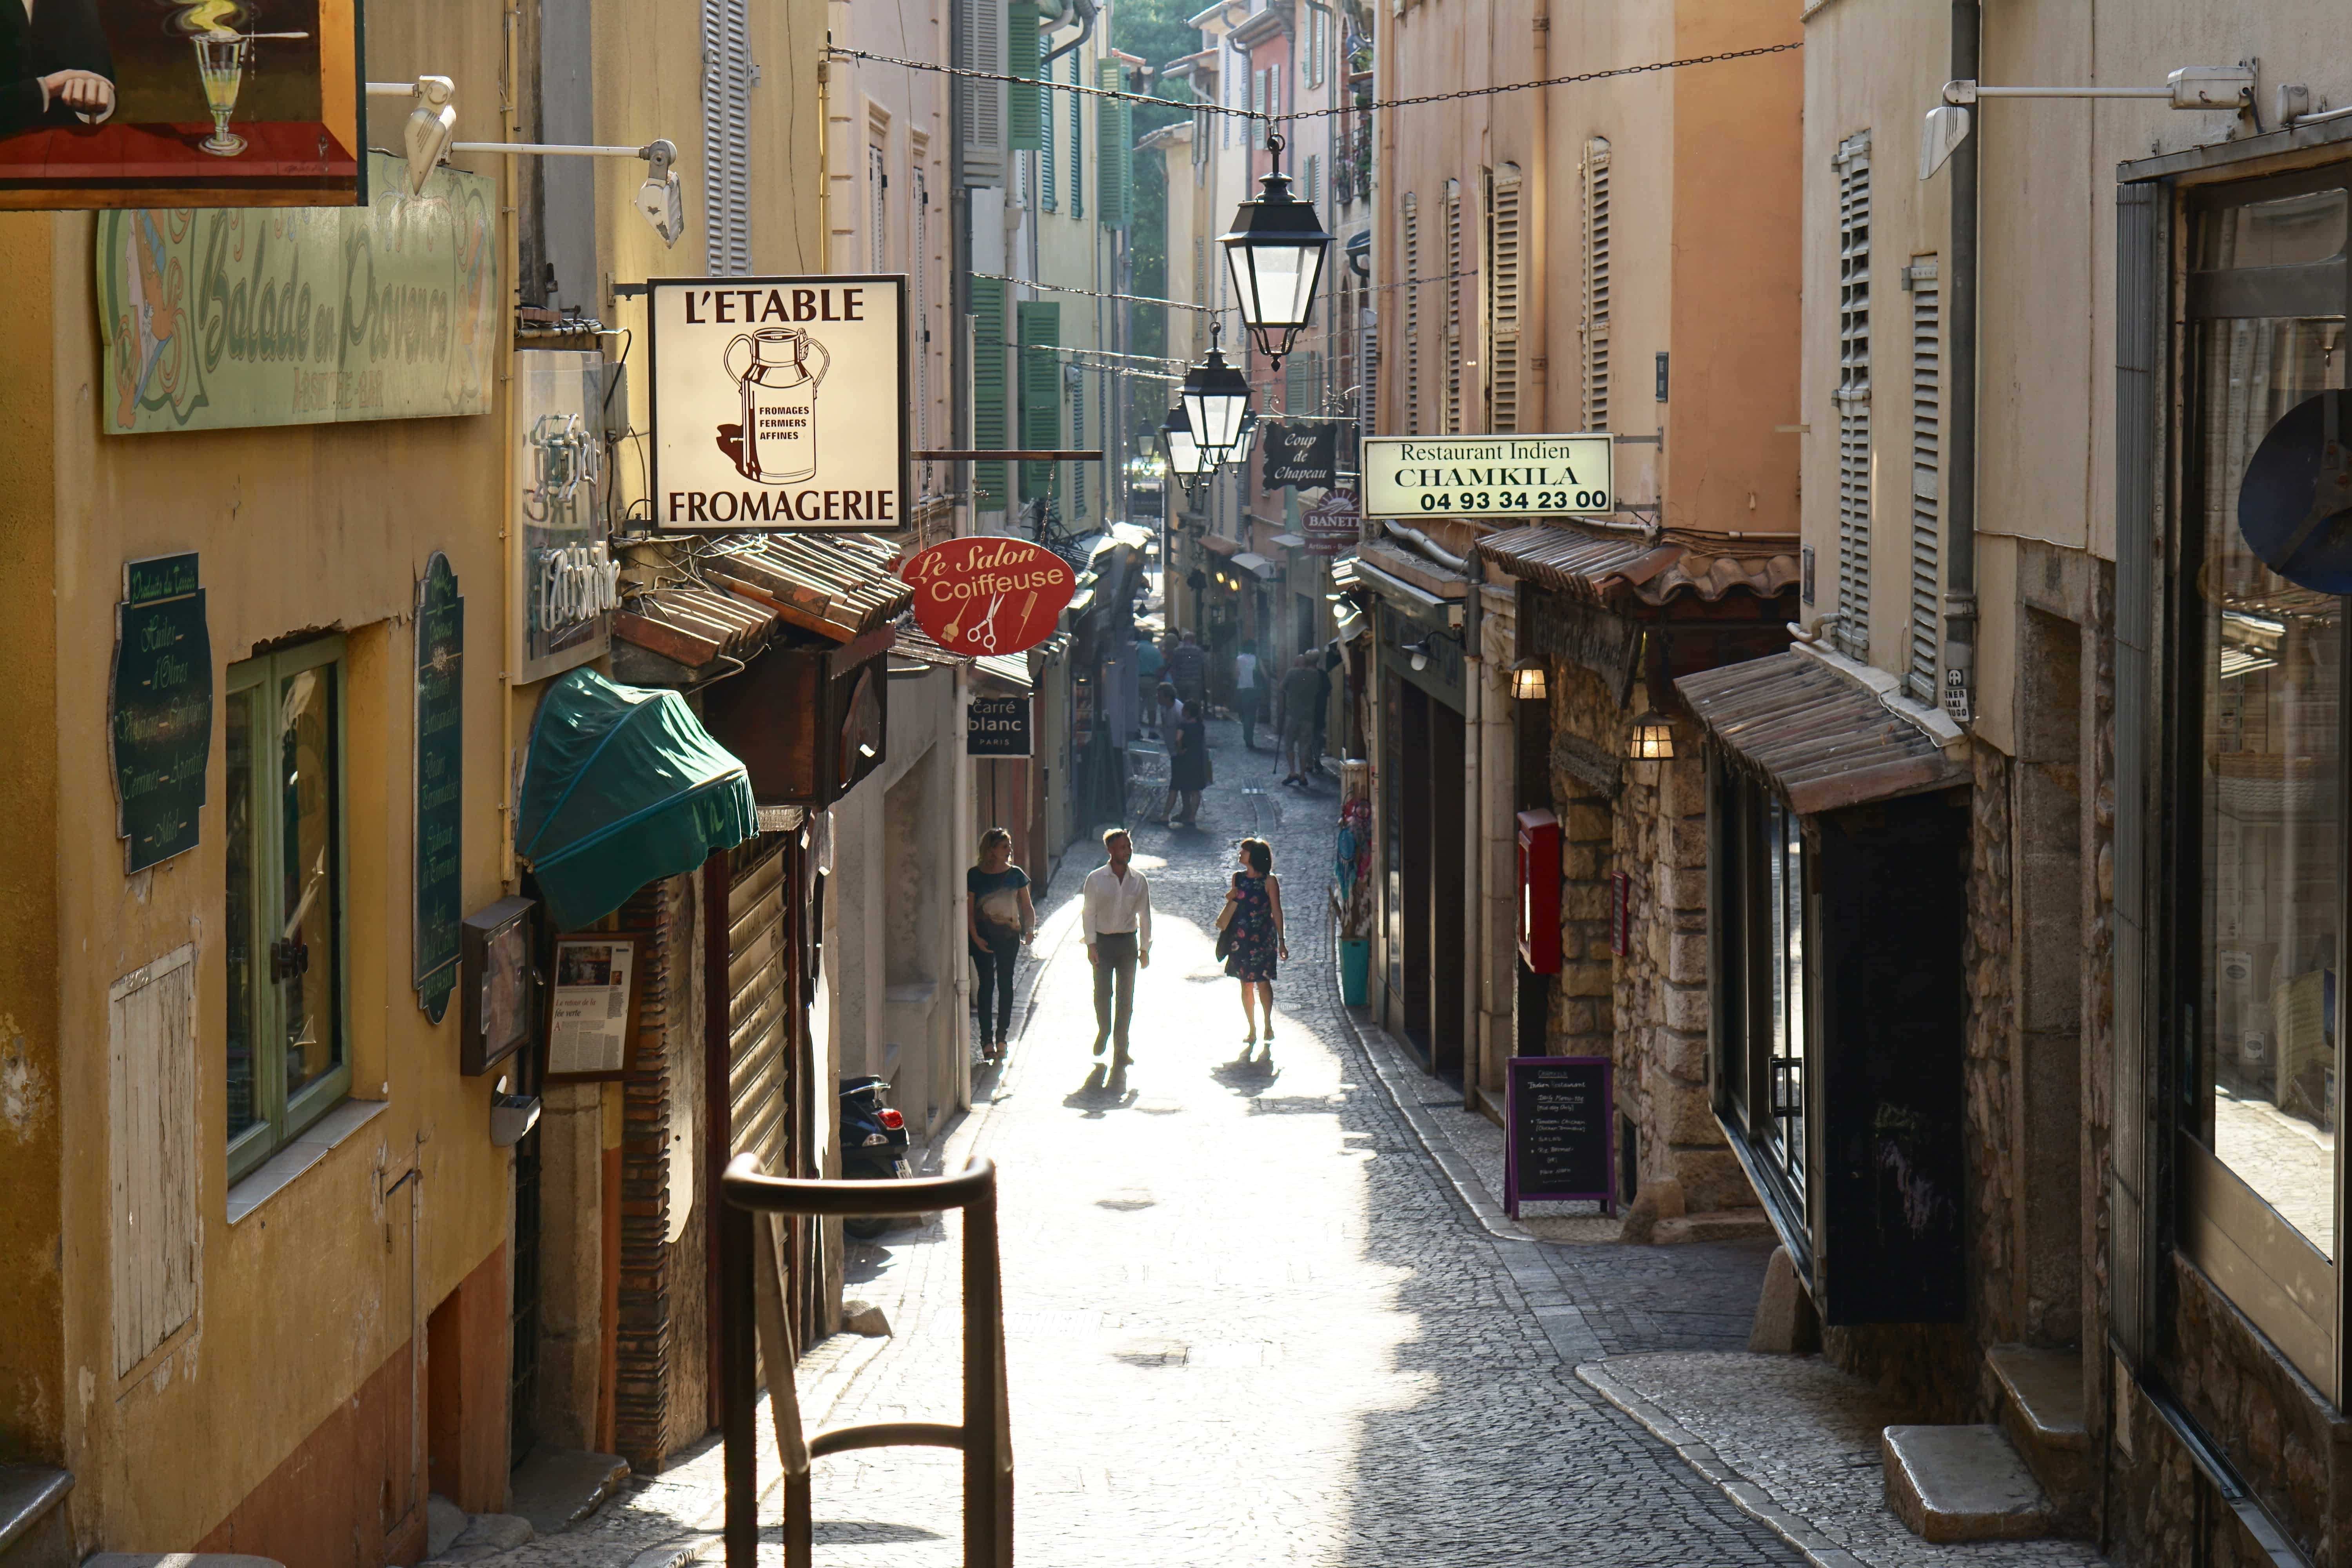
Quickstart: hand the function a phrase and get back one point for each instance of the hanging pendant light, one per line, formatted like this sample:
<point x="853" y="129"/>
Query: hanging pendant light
<point x="1215" y="400"/>
<point x="1275" y="253"/>
<point x="1527" y="683"/>
<point x="1652" y="739"/>
<point x="1239" y="454"/>
<point x="1184" y="455"/>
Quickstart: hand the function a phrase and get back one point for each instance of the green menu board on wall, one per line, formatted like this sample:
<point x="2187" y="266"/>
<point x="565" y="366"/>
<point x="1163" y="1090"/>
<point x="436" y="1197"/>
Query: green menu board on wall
<point x="160" y="712"/>
<point x="440" y="775"/>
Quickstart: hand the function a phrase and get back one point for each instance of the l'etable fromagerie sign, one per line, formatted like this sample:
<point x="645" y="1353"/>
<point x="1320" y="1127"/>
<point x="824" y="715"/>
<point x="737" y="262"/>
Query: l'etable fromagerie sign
<point x="1488" y="476"/>
<point x="778" y="402"/>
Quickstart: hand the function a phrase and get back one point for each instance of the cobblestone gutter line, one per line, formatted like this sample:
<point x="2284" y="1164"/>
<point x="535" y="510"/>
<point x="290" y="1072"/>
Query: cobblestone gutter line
<point x="1744" y="1494"/>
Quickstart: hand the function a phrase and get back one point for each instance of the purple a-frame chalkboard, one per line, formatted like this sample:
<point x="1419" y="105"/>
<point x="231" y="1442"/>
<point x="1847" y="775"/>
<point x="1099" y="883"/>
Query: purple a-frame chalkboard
<point x="1559" y="1141"/>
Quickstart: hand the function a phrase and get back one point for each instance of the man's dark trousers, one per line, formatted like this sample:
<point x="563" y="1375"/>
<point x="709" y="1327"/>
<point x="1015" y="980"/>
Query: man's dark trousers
<point x="1114" y="958"/>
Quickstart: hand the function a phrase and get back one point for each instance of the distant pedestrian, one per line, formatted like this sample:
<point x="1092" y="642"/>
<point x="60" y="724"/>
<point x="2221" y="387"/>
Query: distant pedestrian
<point x="1002" y="921"/>
<point x="1301" y="685"/>
<point x="1148" y="666"/>
<point x="1246" y="691"/>
<point x="1116" y="918"/>
<point x="1254" y="935"/>
<point x="1188" y="770"/>
<point x="1188" y="670"/>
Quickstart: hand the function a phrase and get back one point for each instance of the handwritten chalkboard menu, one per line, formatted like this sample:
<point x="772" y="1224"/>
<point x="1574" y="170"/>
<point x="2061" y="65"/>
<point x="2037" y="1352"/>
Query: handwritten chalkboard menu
<point x="440" y="770"/>
<point x="1561" y="1114"/>
<point x="160" y="718"/>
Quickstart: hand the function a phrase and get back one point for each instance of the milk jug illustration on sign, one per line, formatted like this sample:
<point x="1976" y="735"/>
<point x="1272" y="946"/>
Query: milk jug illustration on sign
<point x="778" y="439"/>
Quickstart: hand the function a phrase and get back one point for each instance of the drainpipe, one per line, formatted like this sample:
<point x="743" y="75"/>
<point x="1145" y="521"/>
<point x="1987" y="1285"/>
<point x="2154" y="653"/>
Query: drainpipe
<point x="1961" y="488"/>
<point x="1086" y="12"/>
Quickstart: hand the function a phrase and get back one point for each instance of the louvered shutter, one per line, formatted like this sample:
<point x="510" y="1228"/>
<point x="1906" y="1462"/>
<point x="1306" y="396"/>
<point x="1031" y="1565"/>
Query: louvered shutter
<point x="1411" y="314"/>
<point x="1852" y="165"/>
<point x="1077" y="438"/>
<point x="727" y="137"/>
<point x="1596" y="284"/>
<point x="1049" y="140"/>
<point x="1296" y="384"/>
<point x="989" y="482"/>
<point x="1114" y="151"/>
<point x="1927" y="475"/>
<point x="1454" y="307"/>
<point x="979" y="105"/>
<point x="1041" y="392"/>
<point x="1503" y="255"/>
<point x="1024" y="102"/>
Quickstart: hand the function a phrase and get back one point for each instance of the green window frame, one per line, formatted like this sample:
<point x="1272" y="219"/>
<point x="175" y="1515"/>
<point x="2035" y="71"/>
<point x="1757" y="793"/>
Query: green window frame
<point x="288" y="848"/>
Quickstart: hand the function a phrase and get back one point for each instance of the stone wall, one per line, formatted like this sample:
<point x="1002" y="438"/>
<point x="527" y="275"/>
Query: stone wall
<point x="1646" y="1009"/>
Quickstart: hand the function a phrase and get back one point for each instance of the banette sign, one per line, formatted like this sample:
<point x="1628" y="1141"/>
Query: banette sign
<point x="1488" y="476"/>
<point x="778" y="402"/>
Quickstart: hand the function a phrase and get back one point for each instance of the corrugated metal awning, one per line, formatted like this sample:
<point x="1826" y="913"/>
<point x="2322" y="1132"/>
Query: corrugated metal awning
<point x="1595" y="564"/>
<point x="842" y="585"/>
<point x="1822" y="738"/>
<point x="1010" y="670"/>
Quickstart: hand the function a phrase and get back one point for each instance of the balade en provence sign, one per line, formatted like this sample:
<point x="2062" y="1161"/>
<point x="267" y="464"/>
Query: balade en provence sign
<point x="224" y="318"/>
<point x="778" y="402"/>
<point x="1488" y="476"/>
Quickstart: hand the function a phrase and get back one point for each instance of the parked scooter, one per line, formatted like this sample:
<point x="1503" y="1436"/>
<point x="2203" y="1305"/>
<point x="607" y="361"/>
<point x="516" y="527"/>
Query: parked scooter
<point x="874" y="1141"/>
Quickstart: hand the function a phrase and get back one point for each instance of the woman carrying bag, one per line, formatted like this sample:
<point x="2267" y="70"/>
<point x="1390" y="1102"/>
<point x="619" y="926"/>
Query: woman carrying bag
<point x="1250" y="934"/>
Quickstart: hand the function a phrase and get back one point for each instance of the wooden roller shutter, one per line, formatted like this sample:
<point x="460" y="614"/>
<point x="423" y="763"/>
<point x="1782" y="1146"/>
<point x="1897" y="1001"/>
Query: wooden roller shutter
<point x="760" y="1086"/>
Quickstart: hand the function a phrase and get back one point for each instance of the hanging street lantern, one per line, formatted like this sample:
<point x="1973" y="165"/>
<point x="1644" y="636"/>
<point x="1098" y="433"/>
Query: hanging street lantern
<point x="1652" y="739"/>
<point x="1240" y="453"/>
<point x="1275" y="253"/>
<point x="1527" y="683"/>
<point x="1215" y="400"/>
<point x="1185" y="458"/>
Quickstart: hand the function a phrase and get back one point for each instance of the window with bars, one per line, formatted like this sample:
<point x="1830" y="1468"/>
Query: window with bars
<point x="1502" y="277"/>
<point x="1926" y="474"/>
<point x="1852" y="165"/>
<point x="1411" y="225"/>
<point x="1595" y="344"/>
<point x="1452" y="306"/>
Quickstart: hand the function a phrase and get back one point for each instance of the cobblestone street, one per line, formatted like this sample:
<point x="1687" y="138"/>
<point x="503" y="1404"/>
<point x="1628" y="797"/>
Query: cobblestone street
<point x="1249" y="1320"/>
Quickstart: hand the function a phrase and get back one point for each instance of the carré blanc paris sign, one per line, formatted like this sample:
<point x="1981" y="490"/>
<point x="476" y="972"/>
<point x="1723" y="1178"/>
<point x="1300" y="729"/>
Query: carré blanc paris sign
<point x="778" y="402"/>
<point x="1489" y="476"/>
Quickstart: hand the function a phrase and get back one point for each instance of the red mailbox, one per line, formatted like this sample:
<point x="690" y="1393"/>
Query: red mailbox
<point x="1539" y="891"/>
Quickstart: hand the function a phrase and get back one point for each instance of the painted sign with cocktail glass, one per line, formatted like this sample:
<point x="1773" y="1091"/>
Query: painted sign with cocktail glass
<point x="220" y="318"/>
<point x="440" y="774"/>
<point x="778" y="402"/>
<point x="133" y="103"/>
<point x="160" y="719"/>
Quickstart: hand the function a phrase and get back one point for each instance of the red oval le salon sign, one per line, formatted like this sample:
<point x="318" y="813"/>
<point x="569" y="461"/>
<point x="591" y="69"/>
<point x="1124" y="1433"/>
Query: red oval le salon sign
<point x="989" y="595"/>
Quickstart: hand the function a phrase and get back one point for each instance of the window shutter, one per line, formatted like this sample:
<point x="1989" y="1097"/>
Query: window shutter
<point x="1257" y="106"/>
<point x="1454" y="307"/>
<point x="1295" y="383"/>
<point x="920" y="263"/>
<point x="1025" y="122"/>
<point x="1853" y="164"/>
<point x="1077" y="140"/>
<point x="1927" y="474"/>
<point x="1114" y="152"/>
<point x="1041" y="392"/>
<point x="1596" y="284"/>
<point x="980" y="106"/>
<point x="727" y="137"/>
<point x="1314" y="181"/>
<point x="157" y="1238"/>
<point x="1503" y="255"/>
<point x="989" y="482"/>
<point x="1049" y="149"/>
<point x="1078" y="439"/>
<point x="1411" y="314"/>
<point x="878" y="206"/>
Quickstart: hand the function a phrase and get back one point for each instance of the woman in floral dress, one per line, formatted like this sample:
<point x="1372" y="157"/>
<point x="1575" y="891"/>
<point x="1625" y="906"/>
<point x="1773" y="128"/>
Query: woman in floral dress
<point x="1255" y="934"/>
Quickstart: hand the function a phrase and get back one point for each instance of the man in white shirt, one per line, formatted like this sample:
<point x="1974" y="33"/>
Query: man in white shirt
<point x="1247" y="692"/>
<point x="1118" y="923"/>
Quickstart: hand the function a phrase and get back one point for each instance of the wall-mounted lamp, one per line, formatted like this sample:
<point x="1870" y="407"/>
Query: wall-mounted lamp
<point x="1652" y="739"/>
<point x="2191" y="87"/>
<point x="1418" y="652"/>
<point x="660" y="201"/>
<point x="1527" y="683"/>
<point x="430" y="125"/>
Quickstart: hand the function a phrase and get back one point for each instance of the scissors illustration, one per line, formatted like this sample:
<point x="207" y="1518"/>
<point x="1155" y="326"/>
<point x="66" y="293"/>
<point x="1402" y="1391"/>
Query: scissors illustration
<point x="984" y="634"/>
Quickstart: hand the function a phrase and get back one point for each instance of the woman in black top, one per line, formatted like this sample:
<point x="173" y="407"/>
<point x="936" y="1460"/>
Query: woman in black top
<point x="1002" y="918"/>
<point x="1188" y="766"/>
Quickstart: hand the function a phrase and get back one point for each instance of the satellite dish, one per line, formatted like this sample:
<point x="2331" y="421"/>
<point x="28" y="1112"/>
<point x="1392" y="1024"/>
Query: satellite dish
<point x="2294" y="505"/>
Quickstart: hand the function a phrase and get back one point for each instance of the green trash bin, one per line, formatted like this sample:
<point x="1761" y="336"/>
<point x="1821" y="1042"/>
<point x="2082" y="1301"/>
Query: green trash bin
<point x="1355" y="968"/>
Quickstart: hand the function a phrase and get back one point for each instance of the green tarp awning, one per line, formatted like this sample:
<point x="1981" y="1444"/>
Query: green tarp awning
<point x="624" y="786"/>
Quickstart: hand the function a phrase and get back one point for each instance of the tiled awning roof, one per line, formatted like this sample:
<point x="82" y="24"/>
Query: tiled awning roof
<point x="840" y="586"/>
<point x="1820" y="736"/>
<point x="1597" y="563"/>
